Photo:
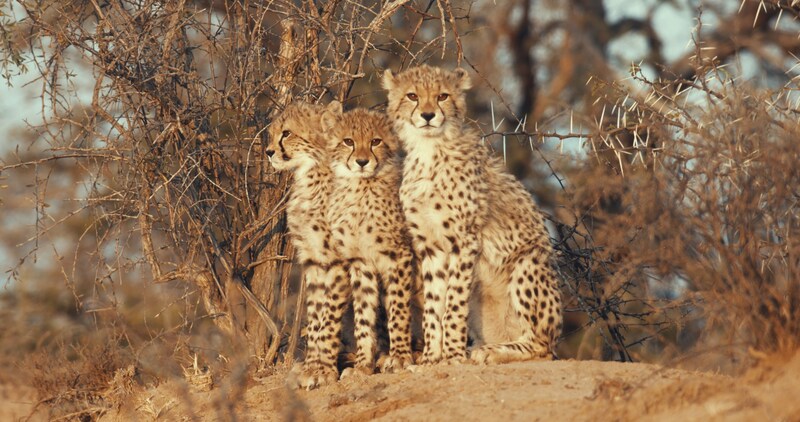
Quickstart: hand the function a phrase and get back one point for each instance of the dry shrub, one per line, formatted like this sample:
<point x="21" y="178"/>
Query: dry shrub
<point x="689" y="217"/>
<point x="171" y="182"/>
<point x="737" y="183"/>
<point x="82" y="383"/>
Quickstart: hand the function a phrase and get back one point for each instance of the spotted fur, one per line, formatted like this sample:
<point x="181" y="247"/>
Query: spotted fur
<point x="369" y="230"/>
<point x="482" y="244"/>
<point x="297" y="145"/>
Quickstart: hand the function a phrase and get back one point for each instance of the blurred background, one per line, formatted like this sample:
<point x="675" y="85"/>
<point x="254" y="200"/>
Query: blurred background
<point x="139" y="218"/>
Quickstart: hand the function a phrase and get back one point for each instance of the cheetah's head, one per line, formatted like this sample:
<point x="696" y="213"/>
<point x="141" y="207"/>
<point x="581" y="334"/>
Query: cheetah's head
<point x="360" y="141"/>
<point x="425" y="100"/>
<point x="294" y="137"/>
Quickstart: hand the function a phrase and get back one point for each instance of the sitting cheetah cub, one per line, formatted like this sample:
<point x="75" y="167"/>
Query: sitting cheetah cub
<point x="369" y="230"/>
<point x="470" y="220"/>
<point x="296" y="145"/>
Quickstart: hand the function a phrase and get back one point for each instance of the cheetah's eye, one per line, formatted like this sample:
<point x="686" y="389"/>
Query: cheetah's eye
<point x="287" y="133"/>
<point x="348" y="142"/>
<point x="376" y="142"/>
<point x="412" y="96"/>
<point x="443" y="97"/>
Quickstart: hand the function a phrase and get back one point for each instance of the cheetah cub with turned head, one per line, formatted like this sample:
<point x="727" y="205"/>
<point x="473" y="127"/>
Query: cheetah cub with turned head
<point x="296" y="145"/>
<point x="483" y="247"/>
<point x="369" y="230"/>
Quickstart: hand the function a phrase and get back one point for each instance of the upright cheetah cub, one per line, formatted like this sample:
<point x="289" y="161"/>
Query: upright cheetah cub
<point x="470" y="220"/>
<point x="296" y="145"/>
<point x="369" y="230"/>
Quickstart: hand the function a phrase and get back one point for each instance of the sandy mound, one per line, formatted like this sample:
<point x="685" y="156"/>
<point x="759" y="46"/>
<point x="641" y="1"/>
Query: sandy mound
<point x="561" y="390"/>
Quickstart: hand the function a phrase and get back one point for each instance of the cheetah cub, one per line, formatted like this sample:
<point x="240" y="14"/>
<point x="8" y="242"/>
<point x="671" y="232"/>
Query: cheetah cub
<point x="296" y="145"/>
<point x="483" y="247"/>
<point x="369" y="230"/>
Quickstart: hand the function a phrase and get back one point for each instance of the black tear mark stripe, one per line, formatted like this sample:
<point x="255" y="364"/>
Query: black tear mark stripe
<point x="441" y="110"/>
<point x="284" y="155"/>
<point x="352" y="151"/>
<point x="377" y="162"/>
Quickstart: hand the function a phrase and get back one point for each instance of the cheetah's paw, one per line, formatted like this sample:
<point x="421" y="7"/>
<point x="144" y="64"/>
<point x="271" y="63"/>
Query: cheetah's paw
<point x="427" y="360"/>
<point x="456" y="360"/>
<point x="423" y="364"/>
<point x="484" y="356"/>
<point x="313" y="375"/>
<point x="356" y="372"/>
<point x="395" y="364"/>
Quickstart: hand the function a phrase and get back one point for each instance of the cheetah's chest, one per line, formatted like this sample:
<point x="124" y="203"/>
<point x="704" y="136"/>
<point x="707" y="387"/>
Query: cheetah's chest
<point x="360" y="221"/>
<point x="433" y="193"/>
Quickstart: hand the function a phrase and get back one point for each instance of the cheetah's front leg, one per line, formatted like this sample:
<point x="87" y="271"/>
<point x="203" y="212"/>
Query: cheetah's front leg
<point x="364" y="283"/>
<point x="397" y="285"/>
<point x="326" y="296"/>
<point x="433" y="267"/>
<point x="454" y="321"/>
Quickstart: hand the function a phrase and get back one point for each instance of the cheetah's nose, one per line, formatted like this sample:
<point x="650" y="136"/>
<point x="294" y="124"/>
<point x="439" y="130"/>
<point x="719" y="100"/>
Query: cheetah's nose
<point x="362" y="162"/>
<point x="270" y="152"/>
<point x="428" y="116"/>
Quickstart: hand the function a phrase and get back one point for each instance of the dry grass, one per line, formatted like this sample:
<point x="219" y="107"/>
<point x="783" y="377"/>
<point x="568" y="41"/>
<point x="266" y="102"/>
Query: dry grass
<point x="82" y="383"/>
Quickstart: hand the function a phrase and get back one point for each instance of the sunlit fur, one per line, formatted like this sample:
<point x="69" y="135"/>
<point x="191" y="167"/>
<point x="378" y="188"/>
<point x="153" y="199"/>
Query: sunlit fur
<point x="369" y="231"/>
<point x="297" y="145"/>
<point x="482" y="246"/>
<point x="295" y="137"/>
<point x="428" y="84"/>
<point x="365" y="129"/>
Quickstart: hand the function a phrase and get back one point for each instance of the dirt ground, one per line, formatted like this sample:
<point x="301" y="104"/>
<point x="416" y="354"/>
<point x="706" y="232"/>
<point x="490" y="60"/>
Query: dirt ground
<point x="531" y="391"/>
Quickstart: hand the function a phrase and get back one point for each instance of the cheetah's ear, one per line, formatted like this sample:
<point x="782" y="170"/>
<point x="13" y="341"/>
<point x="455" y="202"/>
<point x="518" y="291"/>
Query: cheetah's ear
<point x="463" y="79"/>
<point x="331" y="113"/>
<point x="388" y="79"/>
